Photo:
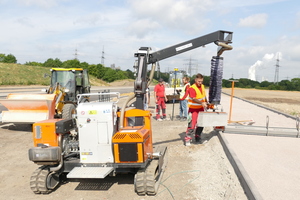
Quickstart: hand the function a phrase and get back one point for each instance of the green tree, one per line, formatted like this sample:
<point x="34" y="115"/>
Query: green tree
<point x="165" y="76"/>
<point x="296" y="83"/>
<point x="34" y="63"/>
<point x="265" y="84"/>
<point x="84" y="65"/>
<point x="286" y="85"/>
<point x="53" y="63"/>
<point x="71" y="64"/>
<point x="97" y="70"/>
<point x="226" y="83"/>
<point x="273" y="87"/>
<point x="10" y="59"/>
<point x="206" y="80"/>
<point x="130" y="74"/>
<point x="110" y="75"/>
<point x="2" y="56"/>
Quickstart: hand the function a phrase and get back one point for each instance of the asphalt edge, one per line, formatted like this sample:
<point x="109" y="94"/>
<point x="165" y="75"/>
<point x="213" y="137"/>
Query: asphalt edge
<point x="250" y="189"/>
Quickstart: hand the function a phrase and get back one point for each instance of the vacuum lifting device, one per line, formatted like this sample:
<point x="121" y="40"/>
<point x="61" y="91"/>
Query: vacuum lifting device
<point x="106" y="140"/>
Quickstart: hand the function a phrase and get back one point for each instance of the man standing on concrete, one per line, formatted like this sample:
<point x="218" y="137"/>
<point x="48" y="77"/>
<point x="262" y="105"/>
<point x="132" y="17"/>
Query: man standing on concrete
<point x="183" y="111"/>
<point x="197" y="102"/>
<point x="160" y="98"/>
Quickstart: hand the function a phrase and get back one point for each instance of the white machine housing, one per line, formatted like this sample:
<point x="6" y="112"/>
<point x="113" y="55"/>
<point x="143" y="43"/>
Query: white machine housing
<point x="96" y="126"/>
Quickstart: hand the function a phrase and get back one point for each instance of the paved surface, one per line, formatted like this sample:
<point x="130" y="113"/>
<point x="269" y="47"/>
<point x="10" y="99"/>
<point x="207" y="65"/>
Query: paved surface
<point x="271" y="163"/>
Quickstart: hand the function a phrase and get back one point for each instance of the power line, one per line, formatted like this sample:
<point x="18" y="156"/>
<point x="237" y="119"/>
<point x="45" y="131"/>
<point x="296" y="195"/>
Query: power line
<point x="276" y="79"/>
<point x="102" y="57"/>
<point x="76" y="54"/>
<point x="192" y="66"/>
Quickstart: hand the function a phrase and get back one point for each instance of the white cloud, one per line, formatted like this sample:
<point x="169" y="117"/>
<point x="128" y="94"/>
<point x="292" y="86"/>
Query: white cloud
<point x="238" y="3"/>
<point x="297" y="20"/>
<point x="254" y="21"/>
<point x="31" y="34"/>
<point x="180" y="15"/>
<point x="268" y="56"/>
<point x="39" y="3"/>
<point x="142" y="27"/>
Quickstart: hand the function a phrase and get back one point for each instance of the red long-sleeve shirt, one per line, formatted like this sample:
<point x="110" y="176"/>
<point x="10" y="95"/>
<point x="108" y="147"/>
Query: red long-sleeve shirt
<point x="186" y="93"/>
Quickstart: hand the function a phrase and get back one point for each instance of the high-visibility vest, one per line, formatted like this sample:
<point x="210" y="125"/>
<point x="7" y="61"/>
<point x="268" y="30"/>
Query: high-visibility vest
<point x="182" y="93"/>
<point x="200" y="96"/>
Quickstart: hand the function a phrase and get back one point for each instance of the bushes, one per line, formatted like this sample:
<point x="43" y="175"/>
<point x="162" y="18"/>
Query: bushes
<point x="8" y="58"/>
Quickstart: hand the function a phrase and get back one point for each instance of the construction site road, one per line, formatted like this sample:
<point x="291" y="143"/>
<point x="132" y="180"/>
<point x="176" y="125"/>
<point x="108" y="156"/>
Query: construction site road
<point x="4" y="91"/>
<point x="200" y="171"/>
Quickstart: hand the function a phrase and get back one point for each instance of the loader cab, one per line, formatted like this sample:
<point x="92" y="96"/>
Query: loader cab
<point x="175" y="79"/>
<point x="74" y="80"/>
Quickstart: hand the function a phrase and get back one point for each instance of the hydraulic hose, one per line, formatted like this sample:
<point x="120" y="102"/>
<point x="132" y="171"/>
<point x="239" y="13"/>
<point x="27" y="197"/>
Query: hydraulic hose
<point x="151" y="74"/>
<point x="122" y="112"/>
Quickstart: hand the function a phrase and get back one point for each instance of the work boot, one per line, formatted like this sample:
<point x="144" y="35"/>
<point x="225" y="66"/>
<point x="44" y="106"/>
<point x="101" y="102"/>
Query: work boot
<point x="187" y="140"/>
<point x="166" y="118"/>
<point x="190" y="132"/>
<point x="183" y="119"/>
<point x="197" y="138"/>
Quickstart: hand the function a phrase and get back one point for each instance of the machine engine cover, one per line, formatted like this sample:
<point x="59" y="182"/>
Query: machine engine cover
<point x="48" y="154"/>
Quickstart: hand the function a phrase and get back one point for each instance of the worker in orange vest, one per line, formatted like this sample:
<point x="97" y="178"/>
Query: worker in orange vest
<point x="197" y="102"/>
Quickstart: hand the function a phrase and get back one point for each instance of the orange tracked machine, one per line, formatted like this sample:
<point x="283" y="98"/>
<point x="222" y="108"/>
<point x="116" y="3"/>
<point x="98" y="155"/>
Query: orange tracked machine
<point x="104" y="139"/>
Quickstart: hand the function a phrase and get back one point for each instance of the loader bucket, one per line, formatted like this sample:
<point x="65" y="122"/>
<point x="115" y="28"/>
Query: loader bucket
<point x="28" y="108"/>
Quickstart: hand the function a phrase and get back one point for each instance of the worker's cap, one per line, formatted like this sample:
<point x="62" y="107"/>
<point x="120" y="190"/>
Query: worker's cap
<point x="160" y="80"/>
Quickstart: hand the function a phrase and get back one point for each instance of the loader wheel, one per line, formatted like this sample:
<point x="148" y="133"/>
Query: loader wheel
<point x="68" y="111"/>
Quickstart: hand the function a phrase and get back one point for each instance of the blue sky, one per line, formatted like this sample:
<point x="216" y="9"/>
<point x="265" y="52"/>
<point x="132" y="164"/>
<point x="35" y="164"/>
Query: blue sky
<point x="263" y="30"/>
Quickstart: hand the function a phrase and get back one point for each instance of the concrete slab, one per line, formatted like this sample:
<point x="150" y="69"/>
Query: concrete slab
<point x="272" y="163"/>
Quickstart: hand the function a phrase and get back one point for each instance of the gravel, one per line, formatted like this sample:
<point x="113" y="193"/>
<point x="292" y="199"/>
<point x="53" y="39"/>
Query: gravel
<point x="201" y="171"/>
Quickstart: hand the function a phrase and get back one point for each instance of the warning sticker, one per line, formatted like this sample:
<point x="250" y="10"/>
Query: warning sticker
<point x="92" y="112"/>
<point x="87" y="153"/>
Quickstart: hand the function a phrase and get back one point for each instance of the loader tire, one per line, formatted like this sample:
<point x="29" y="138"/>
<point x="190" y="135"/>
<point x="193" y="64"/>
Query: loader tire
<point x="68" y="111"/>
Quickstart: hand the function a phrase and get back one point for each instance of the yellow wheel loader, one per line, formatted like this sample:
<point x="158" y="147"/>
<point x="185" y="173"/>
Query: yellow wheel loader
<point x="59" y="102"/>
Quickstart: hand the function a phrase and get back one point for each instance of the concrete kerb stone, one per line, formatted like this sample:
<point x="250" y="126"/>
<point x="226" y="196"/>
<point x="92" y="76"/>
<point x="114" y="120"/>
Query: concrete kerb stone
<point x="250" y="189"/>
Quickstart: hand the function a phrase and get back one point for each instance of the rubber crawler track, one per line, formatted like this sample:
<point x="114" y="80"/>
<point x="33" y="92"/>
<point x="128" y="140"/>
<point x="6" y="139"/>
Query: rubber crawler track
<point x="146" y="180"/>
<point x="38" y="181"/>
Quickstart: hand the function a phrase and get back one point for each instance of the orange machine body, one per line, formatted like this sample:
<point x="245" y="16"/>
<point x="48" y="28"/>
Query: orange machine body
<point x="44" y="133"/>
<point x="133" y="143"/>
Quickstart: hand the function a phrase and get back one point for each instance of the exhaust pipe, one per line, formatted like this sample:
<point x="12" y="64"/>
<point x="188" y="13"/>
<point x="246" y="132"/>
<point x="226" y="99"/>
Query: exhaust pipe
<point x="59" y="166"/>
